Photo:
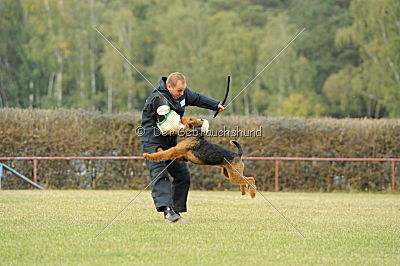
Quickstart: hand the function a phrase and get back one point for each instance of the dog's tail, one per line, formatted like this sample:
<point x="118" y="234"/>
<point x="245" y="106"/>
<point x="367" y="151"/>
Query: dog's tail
<point x="240" y="151"/>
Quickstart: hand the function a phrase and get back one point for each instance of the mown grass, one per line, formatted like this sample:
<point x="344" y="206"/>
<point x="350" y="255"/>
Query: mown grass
<point x="59" y="227"/>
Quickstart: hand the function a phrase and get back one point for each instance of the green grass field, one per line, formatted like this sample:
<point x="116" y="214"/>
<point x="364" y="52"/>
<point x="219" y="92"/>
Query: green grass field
<point x="59" y="227"/>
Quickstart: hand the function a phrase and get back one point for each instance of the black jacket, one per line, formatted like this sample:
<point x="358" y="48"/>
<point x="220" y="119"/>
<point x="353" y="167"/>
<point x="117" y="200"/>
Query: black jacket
<point x="151" y="132"/>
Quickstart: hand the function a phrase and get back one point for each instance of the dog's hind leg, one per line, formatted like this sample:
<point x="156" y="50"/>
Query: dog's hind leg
<point x="234" y="172"/>
<point x="236" y="178"/>
<point x="243" y="189"/>
<point x="225" y="172"/>
<point x="252" y="185"/>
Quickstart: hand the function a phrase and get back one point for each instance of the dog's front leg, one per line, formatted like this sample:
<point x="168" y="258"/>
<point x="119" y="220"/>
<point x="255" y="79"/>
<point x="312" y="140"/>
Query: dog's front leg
<point x="169" y="154"/>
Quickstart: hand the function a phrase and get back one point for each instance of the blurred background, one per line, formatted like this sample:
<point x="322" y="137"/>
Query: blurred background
<point x="345" y="64"/>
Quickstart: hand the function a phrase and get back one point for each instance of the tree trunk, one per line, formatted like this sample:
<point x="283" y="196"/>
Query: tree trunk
<point x="3" y="99"/>
<point x="82" y="91"/>
<point x="58" y="88"/>
<point x="377" y="109"/>
<point x="130" y="80"/>
<point x="246" y="104"/>
<point x="281" y="88"/>
<point x="31" y="94"/>
<point x="127" y="68"/>
<point x="92" y="56"/>
<point x="110" y="94"/>
<point x="109" y="100"/>
<point x="59" y="77"/>
<point x="50" y="86"/>
<point x="47" y="7"/>
<point x="369" y="107"/>
<point x="129" y="98"/>
<point x="392" y="67"/>
<point x="50" y="25"/>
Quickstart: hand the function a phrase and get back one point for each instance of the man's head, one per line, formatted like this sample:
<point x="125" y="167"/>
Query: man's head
<point x="176" y="84"/>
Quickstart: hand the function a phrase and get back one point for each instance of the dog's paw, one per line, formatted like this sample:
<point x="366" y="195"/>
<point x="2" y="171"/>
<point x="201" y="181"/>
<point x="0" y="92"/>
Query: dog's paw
<point x="146" y="155"/>
<point x="243" y="189"/>
<point x="253" y="192"/>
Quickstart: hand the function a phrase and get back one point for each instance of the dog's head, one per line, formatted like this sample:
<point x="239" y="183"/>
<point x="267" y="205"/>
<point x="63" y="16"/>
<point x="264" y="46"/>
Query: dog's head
<point x="191" y="122"/>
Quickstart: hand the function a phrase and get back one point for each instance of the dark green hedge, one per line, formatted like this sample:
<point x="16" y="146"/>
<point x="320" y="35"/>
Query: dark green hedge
<point x="82" y="133"/>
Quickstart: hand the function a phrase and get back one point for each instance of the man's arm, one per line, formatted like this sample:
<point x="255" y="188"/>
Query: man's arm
<point x="197" y="99"/>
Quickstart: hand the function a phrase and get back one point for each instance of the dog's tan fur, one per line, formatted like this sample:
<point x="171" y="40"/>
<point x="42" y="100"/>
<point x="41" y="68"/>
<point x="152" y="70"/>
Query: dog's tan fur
<point x="191" y="122"/>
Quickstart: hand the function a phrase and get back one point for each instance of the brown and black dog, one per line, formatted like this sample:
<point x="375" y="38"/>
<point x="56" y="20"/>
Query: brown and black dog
<point x="198" y="150"/>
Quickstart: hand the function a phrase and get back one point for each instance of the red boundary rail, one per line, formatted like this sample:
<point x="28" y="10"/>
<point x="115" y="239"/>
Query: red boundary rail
<point x="275" y="159"/>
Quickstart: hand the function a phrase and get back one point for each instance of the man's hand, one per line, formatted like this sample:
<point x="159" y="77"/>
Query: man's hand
<point x="220" y="108"/>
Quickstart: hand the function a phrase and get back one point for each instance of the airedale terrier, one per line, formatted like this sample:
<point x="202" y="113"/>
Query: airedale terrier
<point x="198" y="150"/>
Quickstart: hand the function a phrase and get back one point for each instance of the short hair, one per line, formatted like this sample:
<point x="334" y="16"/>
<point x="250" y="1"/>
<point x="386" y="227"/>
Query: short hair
<point x="174" y="77"/>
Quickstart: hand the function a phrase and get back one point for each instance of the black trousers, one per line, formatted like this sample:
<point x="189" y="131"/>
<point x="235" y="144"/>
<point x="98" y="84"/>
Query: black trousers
<point x="164" y="192"/>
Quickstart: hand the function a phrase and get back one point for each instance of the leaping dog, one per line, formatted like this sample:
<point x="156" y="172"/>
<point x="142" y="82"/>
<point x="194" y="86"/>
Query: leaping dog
<point x="198" y="150"/>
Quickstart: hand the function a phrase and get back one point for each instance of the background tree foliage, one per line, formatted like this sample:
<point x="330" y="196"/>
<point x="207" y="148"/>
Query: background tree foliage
<point x="345" y="64"/>
<point x="375" y="80"/>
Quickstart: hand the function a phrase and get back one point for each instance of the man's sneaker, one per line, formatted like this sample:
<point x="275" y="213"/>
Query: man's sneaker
<point x="171" y="216"/>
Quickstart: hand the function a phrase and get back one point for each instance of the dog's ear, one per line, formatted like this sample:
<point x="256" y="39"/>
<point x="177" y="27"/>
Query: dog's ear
<point x="187" y="122"/>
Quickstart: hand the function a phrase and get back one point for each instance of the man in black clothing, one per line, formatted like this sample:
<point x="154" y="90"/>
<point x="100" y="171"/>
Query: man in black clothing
<point x="168" y="197"/>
